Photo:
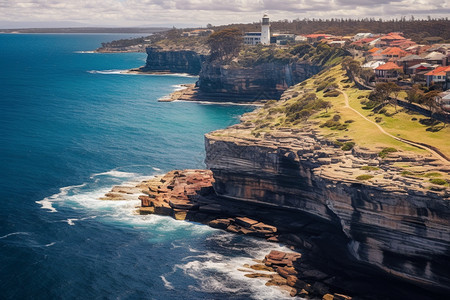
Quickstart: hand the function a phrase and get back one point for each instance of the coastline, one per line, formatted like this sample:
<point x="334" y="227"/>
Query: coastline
<point x="191" y="93"/>
<point x="187" y="195"/>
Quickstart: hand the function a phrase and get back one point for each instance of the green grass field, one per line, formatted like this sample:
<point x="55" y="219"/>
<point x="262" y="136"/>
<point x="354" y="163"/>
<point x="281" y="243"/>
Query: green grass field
<point x="350" y="125"/>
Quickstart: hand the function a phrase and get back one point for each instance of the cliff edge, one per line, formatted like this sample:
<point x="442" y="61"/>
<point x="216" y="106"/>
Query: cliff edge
<point x="390" y="205"/>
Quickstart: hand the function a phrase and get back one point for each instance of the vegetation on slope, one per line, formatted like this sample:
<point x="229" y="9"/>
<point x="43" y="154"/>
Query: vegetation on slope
<point x="307" y="104"/>
<point x="322" y="54"/>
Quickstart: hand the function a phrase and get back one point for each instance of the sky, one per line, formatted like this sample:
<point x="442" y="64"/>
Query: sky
<point x="199" y="13"/>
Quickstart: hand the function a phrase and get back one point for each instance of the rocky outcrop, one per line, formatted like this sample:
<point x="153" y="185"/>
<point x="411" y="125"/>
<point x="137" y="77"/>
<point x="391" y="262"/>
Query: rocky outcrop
<point x="173" y="61"/>
<point x="392" y="223"/>
<point x="263" y="81"/>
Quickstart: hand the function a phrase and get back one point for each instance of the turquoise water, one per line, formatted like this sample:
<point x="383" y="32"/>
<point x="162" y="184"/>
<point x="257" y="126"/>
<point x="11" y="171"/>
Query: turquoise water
<point x="72" y="127"/>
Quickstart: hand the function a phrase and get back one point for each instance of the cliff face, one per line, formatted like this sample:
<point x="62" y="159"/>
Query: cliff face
<point x="391" y="224"/>
<point x="264" y="81"/>
<point x="219" y="82"/>
<point x="174" y="61"/>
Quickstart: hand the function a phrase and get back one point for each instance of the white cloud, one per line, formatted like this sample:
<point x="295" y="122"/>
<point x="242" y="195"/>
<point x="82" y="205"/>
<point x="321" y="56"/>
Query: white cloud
<point x="201" y="12"/>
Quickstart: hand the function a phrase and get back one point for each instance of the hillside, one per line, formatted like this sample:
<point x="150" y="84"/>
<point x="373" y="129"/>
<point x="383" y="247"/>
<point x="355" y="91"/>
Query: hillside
<point x="331" y="105"/>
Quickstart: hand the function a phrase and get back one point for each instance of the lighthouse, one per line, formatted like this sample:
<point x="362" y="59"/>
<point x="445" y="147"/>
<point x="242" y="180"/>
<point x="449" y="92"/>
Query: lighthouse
<point x="265" y="30"/>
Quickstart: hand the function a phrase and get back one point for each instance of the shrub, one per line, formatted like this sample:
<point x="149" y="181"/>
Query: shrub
<point x="364" y="177"/>
<point x="383" y="153"/>
<point x="321" y="86"/>
<point x="378" y="119"/>
<point x="349" y="121"/>
<point x="406" y="173"/>
<point x="347" y="146"/>
<point x="433" y="174"/>
<point x="334" y="125"/>
<point x="269" y="103"/>
<point x="369" y="168"/>
<point x="438" y="181"/>
<point x="332" y="94"/>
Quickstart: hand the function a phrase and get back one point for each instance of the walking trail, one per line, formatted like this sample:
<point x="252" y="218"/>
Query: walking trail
<point x="429" y="149"/>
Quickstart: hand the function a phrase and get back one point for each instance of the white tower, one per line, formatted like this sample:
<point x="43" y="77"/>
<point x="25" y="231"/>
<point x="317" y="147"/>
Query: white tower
<point x="265" y="30"/>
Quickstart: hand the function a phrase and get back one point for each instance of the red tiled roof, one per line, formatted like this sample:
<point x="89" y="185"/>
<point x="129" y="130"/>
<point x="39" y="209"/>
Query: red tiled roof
<point x="373" y="50"/>
<point x="392" y="36"/>
<point x="366" y="40"/>
<point x="394" y="51"/>
<point x="388" y="66"/>
<point x="316" y="35"/>
<point x="439" y="71"/>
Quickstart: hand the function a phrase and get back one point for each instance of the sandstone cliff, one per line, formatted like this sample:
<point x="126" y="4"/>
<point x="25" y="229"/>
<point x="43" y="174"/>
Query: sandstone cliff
<point x="262" y="81"/>
<point x="173" y="61"/>
<point x="228" y="82"/>
<point x="393" y="223"/>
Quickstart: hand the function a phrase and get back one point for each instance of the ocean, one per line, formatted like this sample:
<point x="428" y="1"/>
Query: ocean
<point x="72" y="126"/>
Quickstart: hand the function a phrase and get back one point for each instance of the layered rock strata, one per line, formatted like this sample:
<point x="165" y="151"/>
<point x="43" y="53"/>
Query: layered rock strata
<point x="173" y="61"/>
<point x="393" y="223"/>
<point x="324" y="269"/>
<point x="260" y="82"/>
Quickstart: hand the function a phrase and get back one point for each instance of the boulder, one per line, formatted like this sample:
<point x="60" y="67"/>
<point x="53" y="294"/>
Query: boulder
<point x="220" y="223"/>
<point x="245" y="222"/>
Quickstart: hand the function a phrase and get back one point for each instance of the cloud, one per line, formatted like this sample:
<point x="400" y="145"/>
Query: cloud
<point x="201" y="12"/>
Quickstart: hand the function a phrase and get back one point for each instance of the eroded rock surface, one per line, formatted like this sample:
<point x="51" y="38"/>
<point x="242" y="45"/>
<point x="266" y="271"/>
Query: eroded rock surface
<point x="395" y="223"/>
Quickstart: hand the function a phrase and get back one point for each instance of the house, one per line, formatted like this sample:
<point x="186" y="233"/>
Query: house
<point x="444" y="102"/>
<point x="440" y="75"/>
<point x="442" y="48"/>
<point x="388" y="72"/>
<point x="373" y="64"/>
<point x="435" y="57"/>
<point x="361" y="35"/>
<point x="408" y="61"/>
<point x="362" y="42"/>
<point x="418" y="71"/>
<point x="403" y="44"/>
<point x="300" y="38"/>
<point x="282" y="38"/>
<point x="339" y="44"/>
<point x="393" y="54"/>
<point x="313" y="38"/>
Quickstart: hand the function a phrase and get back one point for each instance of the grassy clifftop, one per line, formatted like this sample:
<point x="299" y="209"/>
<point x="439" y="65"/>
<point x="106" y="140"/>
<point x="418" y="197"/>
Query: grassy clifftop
<point x="321" y="103"/>
<point x="330" y="107"/>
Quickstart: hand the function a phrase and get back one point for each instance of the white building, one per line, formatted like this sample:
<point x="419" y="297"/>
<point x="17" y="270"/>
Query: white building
<point x="265" y="30"/>
<point x="252" y="38"/>
<point x="263" y="37"/>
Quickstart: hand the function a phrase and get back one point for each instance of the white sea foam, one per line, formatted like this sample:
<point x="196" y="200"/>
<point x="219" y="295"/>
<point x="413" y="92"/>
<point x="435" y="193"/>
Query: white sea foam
<point x="70" y="221"/>
<point x="220" y="273"/>
<point x="46" y="203"/>
<point x="167" y="283"/>
<point x="115" y="173"/>
<point x="84" y="52"/>
<point x="49" y="245"/>
<point x="215" y="271"/>
<point x="127" y="72"/>
<point x="13" y="233"/>
<point x="221" y="103"/>
<point x="156" y="169"/>
<point x="111" y="72"/>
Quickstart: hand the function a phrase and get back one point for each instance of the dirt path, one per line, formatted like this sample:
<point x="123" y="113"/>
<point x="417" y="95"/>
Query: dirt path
<point x="433" y="152"/>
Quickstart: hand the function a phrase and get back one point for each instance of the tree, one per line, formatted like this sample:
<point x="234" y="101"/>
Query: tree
<point x="395" y="89"/>
<point x="225" y="44"/>
<point x="366" y="74"/>
<point x="382" y="92"/>
<point x="430" y="99"/>
<point x="415" y="94"/>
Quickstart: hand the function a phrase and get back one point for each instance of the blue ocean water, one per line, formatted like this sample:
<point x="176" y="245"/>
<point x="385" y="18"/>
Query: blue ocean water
<point x="72" y="127"/>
